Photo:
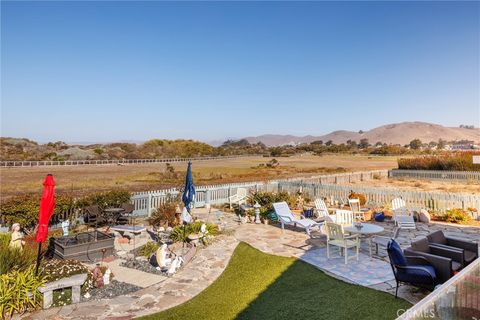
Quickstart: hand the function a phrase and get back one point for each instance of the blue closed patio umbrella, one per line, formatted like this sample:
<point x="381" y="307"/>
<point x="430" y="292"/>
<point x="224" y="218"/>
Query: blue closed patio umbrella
<point x="189" y="191"/>
<point x="187" y="198"/>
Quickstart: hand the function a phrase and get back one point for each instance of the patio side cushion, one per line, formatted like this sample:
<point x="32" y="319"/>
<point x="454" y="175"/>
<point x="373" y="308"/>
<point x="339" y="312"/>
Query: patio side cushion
<point x="421" y="245"/>
<point x="417" y="274"/>
<point x="456" y="266"/>
<point x="469" y="256"/>
<point x="437" y="237"/>
<point x="396" y="253"/>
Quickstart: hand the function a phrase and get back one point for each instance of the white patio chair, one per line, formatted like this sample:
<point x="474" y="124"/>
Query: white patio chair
<point x="354" y="205"/>
<point x="401" y="215"/>
<point x="343" y="217"/>
<point x="238" y="198"/>
<point x="321" y="208"/>
<point x="336" y="237"/>
<point x="287" y="218"/>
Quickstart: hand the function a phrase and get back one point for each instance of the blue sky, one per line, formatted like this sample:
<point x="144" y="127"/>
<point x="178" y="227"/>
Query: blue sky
<point x="105" y="71"/>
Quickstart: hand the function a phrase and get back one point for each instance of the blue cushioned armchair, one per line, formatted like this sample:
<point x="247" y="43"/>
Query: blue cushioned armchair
<point x="413" y="270"/>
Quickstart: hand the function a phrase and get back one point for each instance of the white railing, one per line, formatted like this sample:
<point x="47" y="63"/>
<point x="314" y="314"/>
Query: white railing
<point x="47" y="163"/>
<point x="458" y="298"/>
<point x="146" y="202"/>
<point x="437" y="201"/>
<point x="436" y="174"/>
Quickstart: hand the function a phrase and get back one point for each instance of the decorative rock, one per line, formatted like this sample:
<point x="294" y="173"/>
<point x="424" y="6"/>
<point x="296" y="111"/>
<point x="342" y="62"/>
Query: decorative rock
<point x="424" y="216"/>
<point x="123" y="240"/>
<point x="194" y="238"/>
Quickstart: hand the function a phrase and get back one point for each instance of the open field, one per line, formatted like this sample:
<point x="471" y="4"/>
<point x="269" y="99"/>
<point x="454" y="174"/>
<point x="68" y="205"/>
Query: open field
<point x="82" y="179"/>
<point x="424" y="185"/>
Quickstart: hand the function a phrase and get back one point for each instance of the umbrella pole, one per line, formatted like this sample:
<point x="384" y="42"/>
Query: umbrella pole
<point x="184" y="234"/>
<point x="38" y="257"/>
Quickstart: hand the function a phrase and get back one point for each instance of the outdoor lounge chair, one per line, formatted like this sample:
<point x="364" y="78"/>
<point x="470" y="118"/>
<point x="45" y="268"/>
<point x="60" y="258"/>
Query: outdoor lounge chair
<point x="128" y="207"/>
<point x="337" y="237"/>
<point x="286" y="217"/>
<point x="321" y="208"/>
<point x="414" y="270"/>
<point x="92" y="215"/>
<point x="468" y="249"/>
<point x="343" y="217"/>
<point x="442" y="259"/>
<point x="355" y="207"/>
<point x="383" y="240"/>
<point x="401" y="215"/>
<point x="238" y="198"/>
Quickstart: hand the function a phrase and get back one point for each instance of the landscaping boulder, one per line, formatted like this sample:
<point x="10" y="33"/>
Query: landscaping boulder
<point x="424" y="216"/>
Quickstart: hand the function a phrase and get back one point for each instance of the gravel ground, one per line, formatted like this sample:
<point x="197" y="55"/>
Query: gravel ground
<point x="113" y="289"/>
<point x="142" y="265"/>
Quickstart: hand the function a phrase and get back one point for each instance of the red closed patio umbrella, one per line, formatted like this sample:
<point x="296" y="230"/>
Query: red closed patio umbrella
<point x="47" y="204"/>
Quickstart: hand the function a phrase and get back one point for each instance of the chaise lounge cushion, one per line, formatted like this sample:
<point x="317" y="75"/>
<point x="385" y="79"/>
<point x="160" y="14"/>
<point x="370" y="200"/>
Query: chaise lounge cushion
<point x="469" y="256"/>
<point x="396" y="254"/>
<point x="417" y="274"/>
<point x="437" y="237"/>
<point x="421" y="245"/>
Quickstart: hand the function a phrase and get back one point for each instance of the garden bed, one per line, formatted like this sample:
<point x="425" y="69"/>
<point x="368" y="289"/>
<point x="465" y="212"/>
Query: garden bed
<point x="86" y="246"/>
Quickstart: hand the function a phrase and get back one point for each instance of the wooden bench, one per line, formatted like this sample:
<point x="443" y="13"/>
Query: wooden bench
<point x="74" y="282"/>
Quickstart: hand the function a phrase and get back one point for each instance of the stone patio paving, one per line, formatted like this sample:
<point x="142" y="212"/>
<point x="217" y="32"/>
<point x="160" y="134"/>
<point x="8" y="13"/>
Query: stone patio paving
<point x="210" y="262"/>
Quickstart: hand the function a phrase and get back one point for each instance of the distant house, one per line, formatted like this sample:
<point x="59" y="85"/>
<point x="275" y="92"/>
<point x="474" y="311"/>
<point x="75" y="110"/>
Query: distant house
<point x="463" y="145"/>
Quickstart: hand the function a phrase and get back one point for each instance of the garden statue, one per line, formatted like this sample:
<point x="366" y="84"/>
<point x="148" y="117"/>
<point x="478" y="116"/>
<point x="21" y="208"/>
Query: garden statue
<point x="97" y="277"/>
<point x="17" y="241"/>
<point x="176" y="263"/>
<point x="300" y="201"/>
<point x="203" y="229"/>
<point x="161" y="255"/>
<point x="106" y="276"/>
<point x="65" y="225"/>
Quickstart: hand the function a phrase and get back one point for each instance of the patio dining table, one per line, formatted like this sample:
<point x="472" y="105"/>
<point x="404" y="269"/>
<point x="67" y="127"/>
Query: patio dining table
<point x="367" y="230"/>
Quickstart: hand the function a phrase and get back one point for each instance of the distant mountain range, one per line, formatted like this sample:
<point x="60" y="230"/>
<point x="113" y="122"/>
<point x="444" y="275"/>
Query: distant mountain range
<point x="397" y="133"/>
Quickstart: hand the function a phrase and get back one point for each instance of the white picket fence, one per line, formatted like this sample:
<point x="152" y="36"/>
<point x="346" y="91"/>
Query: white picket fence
<point x="438" y="201"/>
<point x="326" y="186"/>
<point x="436" y="174"/>
<point x="49" y="163"/>
<point x="146" y="202"/>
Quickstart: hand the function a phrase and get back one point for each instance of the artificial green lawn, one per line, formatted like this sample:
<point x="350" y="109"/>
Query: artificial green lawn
<point x="256" y="285"/>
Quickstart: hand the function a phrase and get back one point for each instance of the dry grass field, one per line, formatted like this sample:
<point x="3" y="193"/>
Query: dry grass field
<point x="424" y="185"/>
<point x="83" y="179"/>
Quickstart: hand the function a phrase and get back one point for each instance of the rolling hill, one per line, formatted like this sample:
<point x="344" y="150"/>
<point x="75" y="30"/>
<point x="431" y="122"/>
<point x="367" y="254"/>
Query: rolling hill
<point x="398" y="133"/>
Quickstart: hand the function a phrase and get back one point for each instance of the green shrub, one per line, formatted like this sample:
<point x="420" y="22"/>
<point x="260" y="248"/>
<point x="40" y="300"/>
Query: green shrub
<point x="14" y="259"/>
<point x="359" y="196"/>
<point x="24" y="209"/>
<point x="56" y="269"/>
<point x="5" y="239"/>
<point x="165" y="214"/>
<point x="180" y="235"/>
<point x="114" y="198"/>
<point x="148" y="249"/>
<point x="266" y="199"/>
<point x="19" y="291"/>
<point x="457" y="215"/>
